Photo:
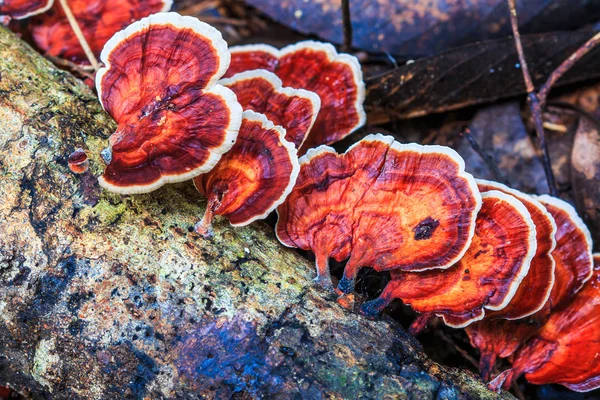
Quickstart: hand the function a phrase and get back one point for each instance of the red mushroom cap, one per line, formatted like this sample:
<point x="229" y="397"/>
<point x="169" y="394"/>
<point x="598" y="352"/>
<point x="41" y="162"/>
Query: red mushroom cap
<point x="98" y="20"/>
<point x="78" y="161"/>
<point x="573" y="252"/>
<point x="295" y="110"/>
<point x="488" y="275"/>
<point x="565" y="350"/>
<point x="21" y="9"/>
<point x="537" y="285"/>
<point x="383" y="204"/>
<point x="174" y="122"/>
<point x="253" y="178"/>
<point x="314" y="66"/>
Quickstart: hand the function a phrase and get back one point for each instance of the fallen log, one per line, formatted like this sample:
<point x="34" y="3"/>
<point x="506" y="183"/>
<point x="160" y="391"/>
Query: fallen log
<point x="109" y="296"/>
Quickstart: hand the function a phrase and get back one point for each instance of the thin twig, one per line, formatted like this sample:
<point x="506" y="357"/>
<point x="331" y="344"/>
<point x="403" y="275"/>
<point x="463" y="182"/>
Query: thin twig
<point x="80" y="69"/>
<point x="79" y="34"/>
<point x="485" y="156"/>
<point x="565" y="66"/>
<point x="461" y="351"/>
<point x="534" y="103"/>
<point x="347" y="21"/>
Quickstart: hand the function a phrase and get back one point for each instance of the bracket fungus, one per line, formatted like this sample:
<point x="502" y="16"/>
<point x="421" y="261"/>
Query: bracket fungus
<point x="486" y="277"/>
<point x="383" y="204"/>
<point x="295" y="110"/>
<point x="317" y="67"/>
<point x="98" y="20"/>
<point x="565" y="350"/>
<point x="253" y="178"/>
<point x="159" y="84"/>
<point x="21" y="9"/>
<point x="501" y="332"/>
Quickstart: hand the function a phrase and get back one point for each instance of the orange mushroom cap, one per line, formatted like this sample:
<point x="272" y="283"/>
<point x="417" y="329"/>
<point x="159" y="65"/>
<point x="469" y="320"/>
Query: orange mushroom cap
<point x="295" y="110"/>
<point x="253" y="178"/>
<point x="383" y="204"/>
<point x="336" y="78"/>
<point x="486" y="277"/>
<point x="565" y="350"/>
<point x="174" y="122"/>
<point x="98" y="20"/>
<point x="21" y="9"/>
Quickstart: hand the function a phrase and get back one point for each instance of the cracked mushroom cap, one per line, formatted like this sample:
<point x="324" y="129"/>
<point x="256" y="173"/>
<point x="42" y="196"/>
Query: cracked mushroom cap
<point x="98" y="20"/>
<point x="159" y="84"/>
<point x="573" y="252"/>
<point x="253" y="178"/>
<point x="21" y="9"/>
<point x="383" y="204"/>
<point x="261" y="91"/>
<point x="565" y="350"/>
<point x="488" y="275"/>
<point x="317" y="67"/>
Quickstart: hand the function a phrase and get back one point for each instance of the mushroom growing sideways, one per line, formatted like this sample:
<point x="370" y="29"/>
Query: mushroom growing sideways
<point x="486" y="277"/>
<point x="98" y="20"/>
<point x="317" y="67"/>
<point x="293" y="109"/>
<point x="565" y="350"/>
<point x="383" y="204"/>
<point x="21" y="9"/>
<point x="496" y="335"/>
<point x="174" y="122"/>
<point x="253" y="178"/>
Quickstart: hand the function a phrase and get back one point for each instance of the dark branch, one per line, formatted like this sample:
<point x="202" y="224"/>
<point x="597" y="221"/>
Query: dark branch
<point x="347" y="22"/>
<point x="485" y="156"/>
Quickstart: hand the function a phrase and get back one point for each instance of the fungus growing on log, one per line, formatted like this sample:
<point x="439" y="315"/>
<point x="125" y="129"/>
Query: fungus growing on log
<point x="573" y="265"/>
<point x="487" y="277"/>
<point x="253" y="178"/>
<point x="295" y="110"/>
<point x="174" y="122"/>
<point x="495" y="335"/>
<point x="21" y="9"/>
<point x="383" y="204"/>
<point x="565" y="350"/>
<point x="78" y="161"/>
<point x="98" y="20"/>
<point x="317" y="67"/>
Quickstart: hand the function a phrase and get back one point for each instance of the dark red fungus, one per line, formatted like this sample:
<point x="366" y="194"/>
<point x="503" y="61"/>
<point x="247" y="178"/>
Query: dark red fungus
<point x="253" y="178"/>
<point x="383" y="204"/>
<point x="174" y="122"/>
<point x="21" y="9"/>
<point x="78" y="161"/>
<point x="565" y="350"/>
<point x="336" y="78"/>
<point x="486" y="277"/>
<point x="98" y="20"/>
<point x="295" y="110"/>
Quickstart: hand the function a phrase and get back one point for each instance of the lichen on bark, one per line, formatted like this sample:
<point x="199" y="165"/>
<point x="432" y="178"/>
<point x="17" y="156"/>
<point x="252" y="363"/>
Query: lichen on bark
<point x="109" y="296"/>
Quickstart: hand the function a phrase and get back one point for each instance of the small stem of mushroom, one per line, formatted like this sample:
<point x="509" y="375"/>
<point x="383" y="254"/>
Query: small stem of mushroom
<point x="533" y="100"/>
<point x="79" y="34"/>
<point x="420" y="323"/>
<point x="490" y="162"/>
<point x="204" y="227"/>
<point x="347" y="23"/>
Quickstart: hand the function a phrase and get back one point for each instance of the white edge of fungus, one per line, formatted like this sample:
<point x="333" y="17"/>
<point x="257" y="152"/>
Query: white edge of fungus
<point x="516" y="203"/>
<point x="178" y="21"/>
<point x="38" y="11"/>
<point x="576" y="219"/>
<point x="277" y="85"/>
<point x="525" y="198"/>
<point x="305" y="159"/>
<point x="293" y="156"/>
<point x="232" y="130"/>
<point x="247" y="48"/>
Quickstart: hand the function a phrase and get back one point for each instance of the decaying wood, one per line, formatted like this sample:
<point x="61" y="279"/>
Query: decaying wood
<point x="107" y="296"/>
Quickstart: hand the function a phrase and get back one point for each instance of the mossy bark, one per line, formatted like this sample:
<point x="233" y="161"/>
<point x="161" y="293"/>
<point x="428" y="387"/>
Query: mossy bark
<point x="107" y="296"/>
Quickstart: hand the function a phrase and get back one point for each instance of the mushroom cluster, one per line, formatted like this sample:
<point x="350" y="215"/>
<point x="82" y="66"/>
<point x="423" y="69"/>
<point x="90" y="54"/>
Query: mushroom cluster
<point x="512" y="268"/>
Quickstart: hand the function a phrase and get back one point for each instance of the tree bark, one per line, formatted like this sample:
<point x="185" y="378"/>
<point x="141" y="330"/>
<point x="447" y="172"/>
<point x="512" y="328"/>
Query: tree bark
<point x="105" y="296"/>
